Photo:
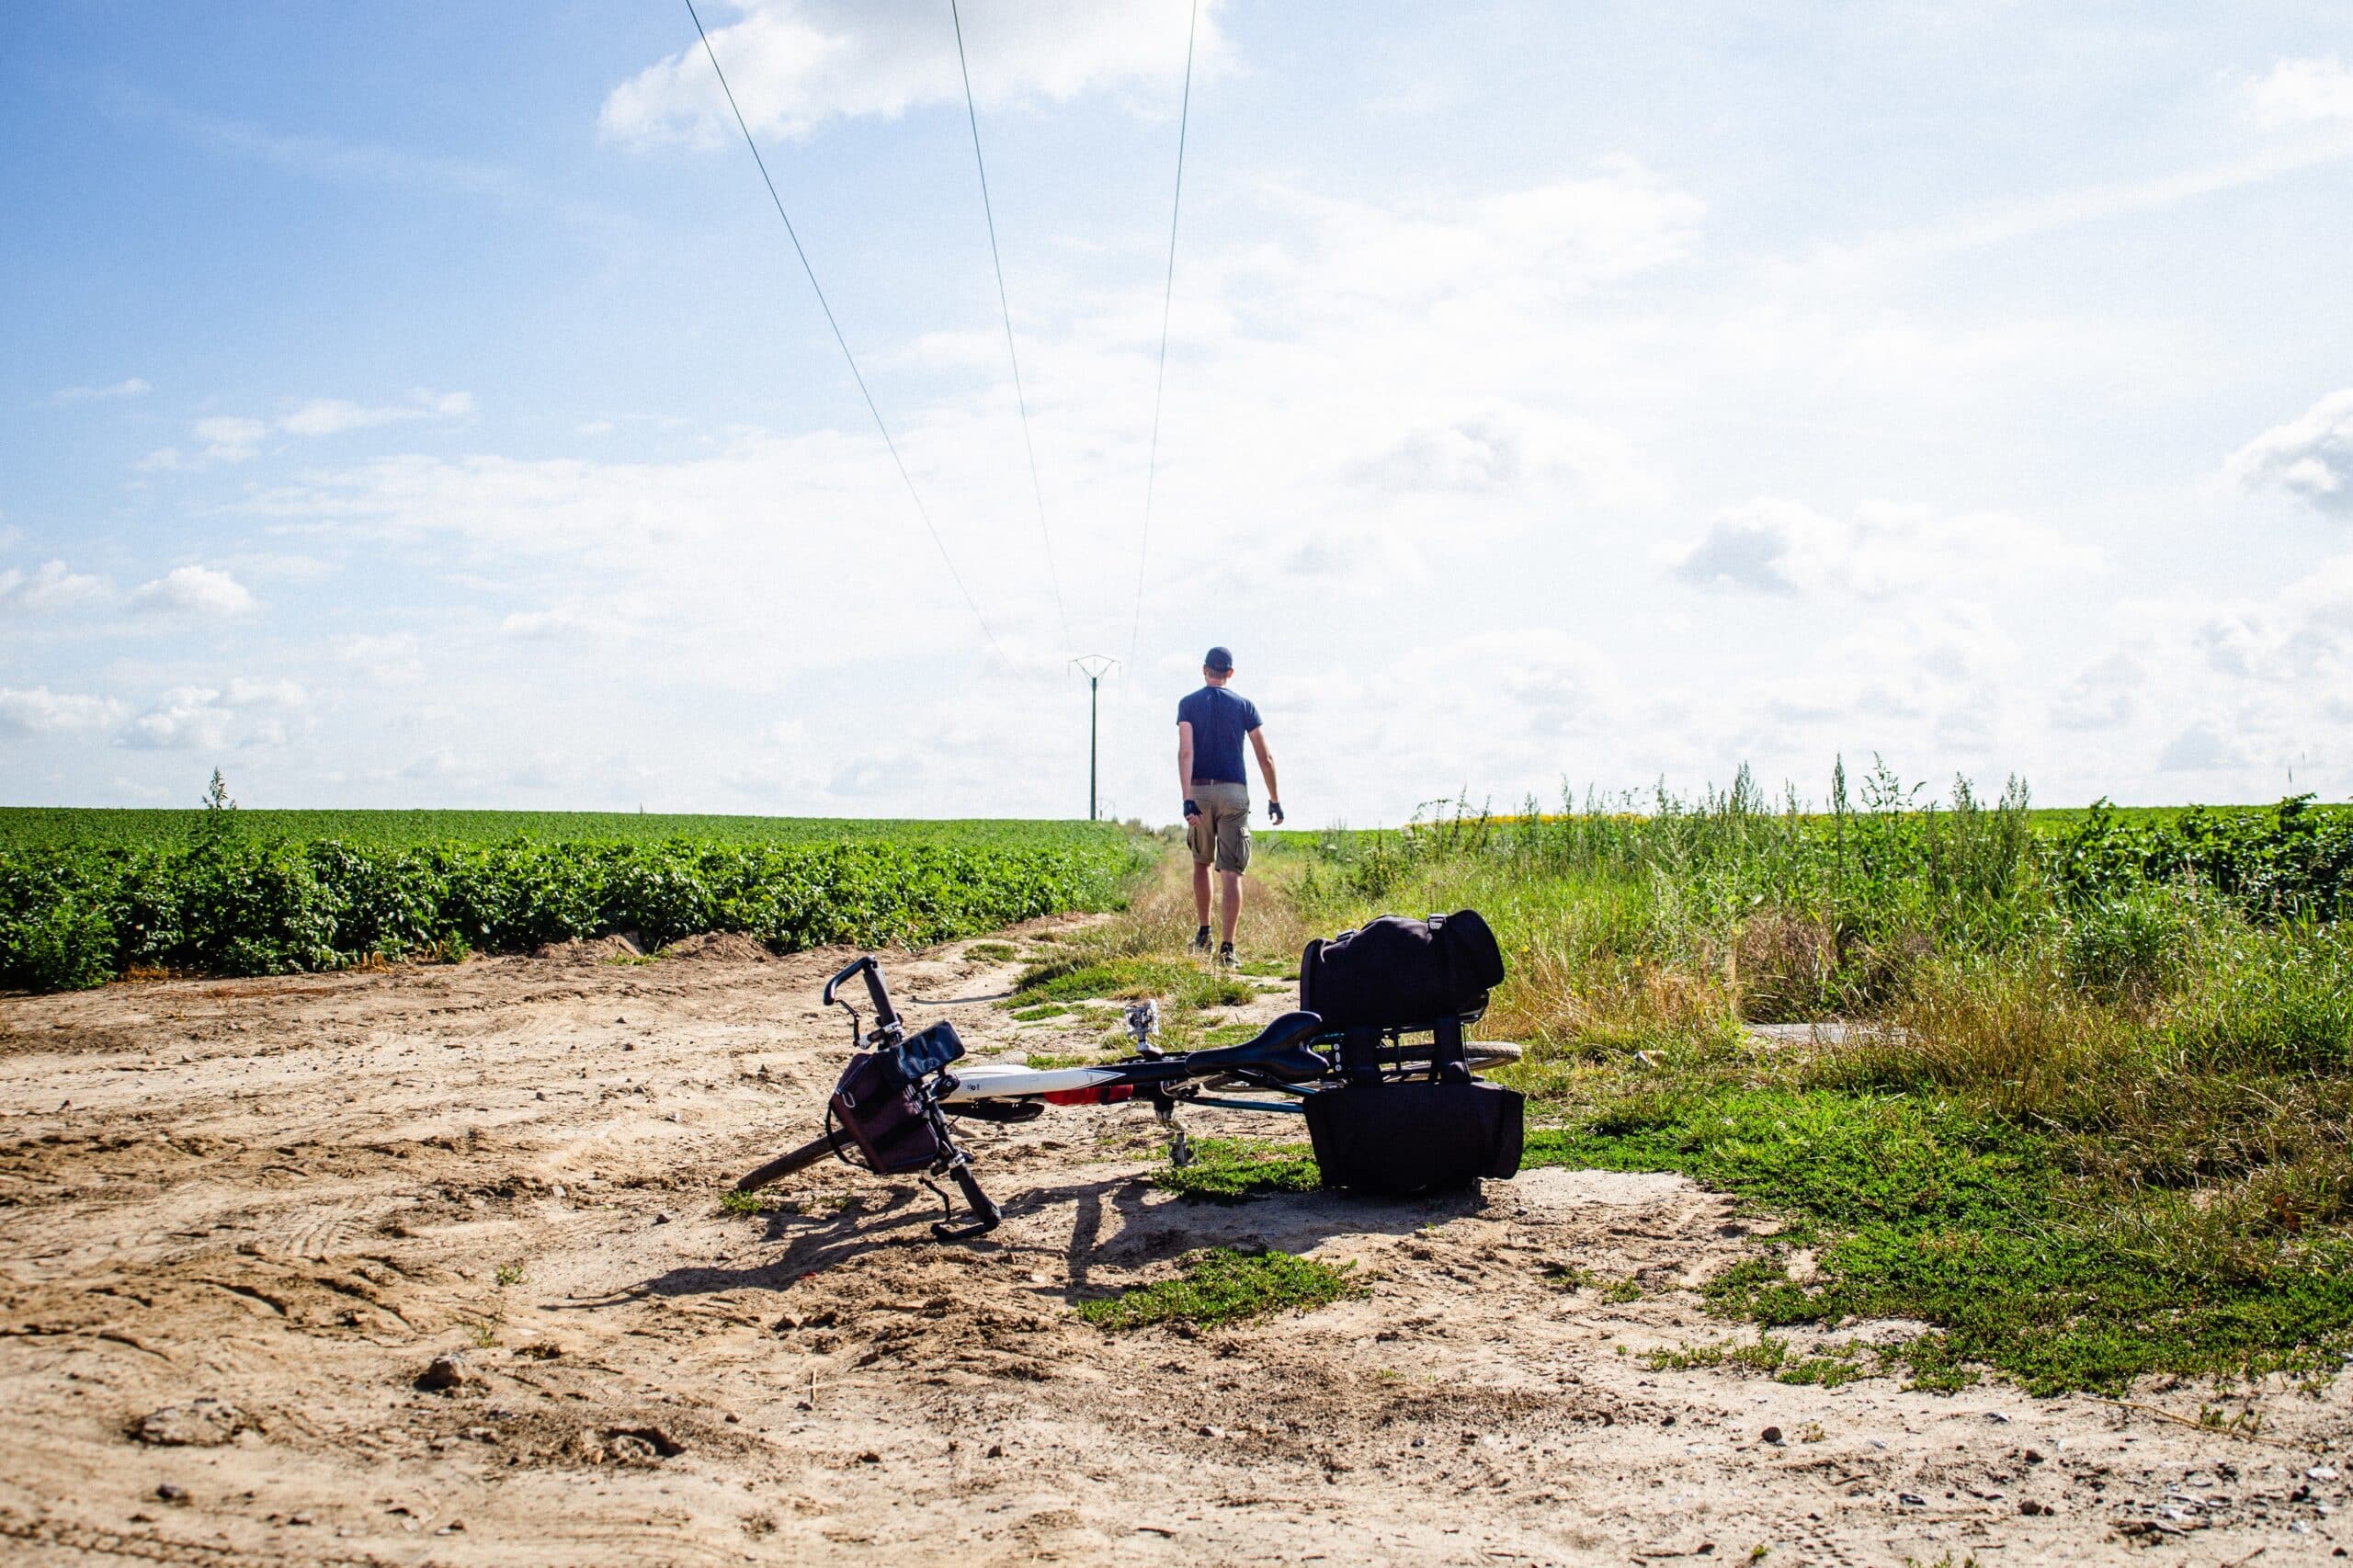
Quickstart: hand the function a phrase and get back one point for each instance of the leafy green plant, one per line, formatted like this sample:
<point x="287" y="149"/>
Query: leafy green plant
<point x="229" y="896"/>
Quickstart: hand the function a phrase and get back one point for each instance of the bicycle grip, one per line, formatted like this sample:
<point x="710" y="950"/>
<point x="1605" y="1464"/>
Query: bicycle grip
<point x="885" y="1015"/>
<point x="853" y="967"/>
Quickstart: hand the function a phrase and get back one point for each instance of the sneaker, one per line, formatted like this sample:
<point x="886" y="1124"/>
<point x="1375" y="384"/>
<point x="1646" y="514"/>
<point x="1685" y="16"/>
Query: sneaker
<point x="1225" y="959"/>
<point x="1202" y="940"/>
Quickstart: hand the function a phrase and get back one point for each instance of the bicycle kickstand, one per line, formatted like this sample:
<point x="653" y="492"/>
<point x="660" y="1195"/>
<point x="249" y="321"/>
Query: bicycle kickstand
<point x="986" y="1215"/>
<point x="1180" y="1146"/>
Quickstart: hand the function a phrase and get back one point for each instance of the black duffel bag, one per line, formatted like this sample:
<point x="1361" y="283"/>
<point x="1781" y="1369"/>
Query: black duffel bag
<point x="1398" y="973"/>
<point x="1399" y="1140"/>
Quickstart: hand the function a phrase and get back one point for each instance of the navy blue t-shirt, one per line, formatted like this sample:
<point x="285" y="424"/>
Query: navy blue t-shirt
<point x="1220" y="720"/>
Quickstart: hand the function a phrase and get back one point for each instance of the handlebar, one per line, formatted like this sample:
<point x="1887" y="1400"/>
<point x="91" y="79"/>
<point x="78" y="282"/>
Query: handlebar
<point x="885" y="1015"/>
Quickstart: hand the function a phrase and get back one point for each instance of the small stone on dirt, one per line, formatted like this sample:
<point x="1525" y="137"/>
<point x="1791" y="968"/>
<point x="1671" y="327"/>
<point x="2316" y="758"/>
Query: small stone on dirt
<point x="1772" y="1434"/>
<point x="661" y="1219"/>
<point x="167" y="1493"/>
<point x="870" y="1457"/>
<point x="1912" y="1499"/>
<point x="2321" y="1472"/>
<point x="199" y="1424"/>
<point x="444" y="1373"/>
<point x="996" y="1450"/>
<point x="2032" y="1508"/>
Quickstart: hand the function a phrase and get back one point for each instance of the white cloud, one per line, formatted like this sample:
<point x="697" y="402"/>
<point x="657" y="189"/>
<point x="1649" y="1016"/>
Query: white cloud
<point x="1508" y="251"/>
<point x="2106" y="695"/>
<point x="1778" y="547"/>
<point x="390" y="659"/>
<point x="2310" y="457"/>
<point x="227" y="437"/>
<point x="188" y="718"/>
<point x="794" y="65"/>
<point x="562" y="621"/>
<point x="132" y="387"/>
<point x="1505" y="448"/>
<point x="193" y="590"/>
<point x="2199" y="748"/>
<point x="231" y="438"/>
<point x="43" y="711"/>
<point x="282" y="695"/>
<point x="332" y="416"/>
<point x="2303" y="92"/>
<point x="50" y="587"/>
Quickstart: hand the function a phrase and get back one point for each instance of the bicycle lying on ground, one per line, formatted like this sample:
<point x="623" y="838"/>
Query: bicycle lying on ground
<point x="1387" y="1110"/>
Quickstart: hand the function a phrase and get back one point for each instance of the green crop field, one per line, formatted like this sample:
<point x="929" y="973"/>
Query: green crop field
<point x="88" y="895"/>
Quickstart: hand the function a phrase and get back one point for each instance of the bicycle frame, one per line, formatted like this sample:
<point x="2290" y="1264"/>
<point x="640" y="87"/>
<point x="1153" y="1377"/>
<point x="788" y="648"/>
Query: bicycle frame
<point x="1294" y="1057"/>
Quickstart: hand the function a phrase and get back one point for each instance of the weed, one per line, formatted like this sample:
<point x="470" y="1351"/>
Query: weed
<point x="991" y="952"/>
<point x="1041" y="1010"/>
<point x="1224" y="1286"/>
<point x="1229" y="1170"/>
<point x="1045" y="1060"/>
<point x="1619" y="1292"/>
<point x="510" y="1274"/>
<point x="484" y="1332"/>
<point x="1080" y="978"/>
<point x="732" y="1202"/>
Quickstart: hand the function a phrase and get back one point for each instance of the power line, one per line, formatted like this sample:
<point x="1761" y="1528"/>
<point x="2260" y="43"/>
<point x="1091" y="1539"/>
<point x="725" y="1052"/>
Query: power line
<point x="1020" y="399"/>
<point x="1167" y="293"/>
<point x="905" y="477"/>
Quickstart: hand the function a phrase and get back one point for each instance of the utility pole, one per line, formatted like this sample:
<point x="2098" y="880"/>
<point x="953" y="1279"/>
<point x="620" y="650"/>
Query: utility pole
<point x="1093" y="667"/>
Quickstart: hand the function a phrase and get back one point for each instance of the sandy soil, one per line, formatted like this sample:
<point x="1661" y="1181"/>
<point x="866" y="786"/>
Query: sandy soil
<point x="289" y="1197"/>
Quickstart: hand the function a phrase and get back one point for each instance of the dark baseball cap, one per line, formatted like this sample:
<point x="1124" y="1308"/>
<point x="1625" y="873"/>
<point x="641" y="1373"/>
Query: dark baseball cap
<point x="1218" y="659"/>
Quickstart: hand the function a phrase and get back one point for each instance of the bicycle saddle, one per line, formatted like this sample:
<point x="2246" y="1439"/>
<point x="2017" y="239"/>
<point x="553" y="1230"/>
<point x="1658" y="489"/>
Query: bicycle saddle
<point x="1279" y="1051"/>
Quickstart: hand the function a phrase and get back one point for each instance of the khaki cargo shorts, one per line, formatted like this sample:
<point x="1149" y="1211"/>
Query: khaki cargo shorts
<point x="1221" y="834"/>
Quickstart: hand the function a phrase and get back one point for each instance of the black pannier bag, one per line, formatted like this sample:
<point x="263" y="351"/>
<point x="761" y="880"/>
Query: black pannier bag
<point x="1400" y="973"/>
<point x="1398" y="1139"/>
<point x="875" y="1100"/>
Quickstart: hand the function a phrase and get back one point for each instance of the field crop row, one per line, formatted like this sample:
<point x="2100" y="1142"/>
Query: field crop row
<point x="227" y="901"/>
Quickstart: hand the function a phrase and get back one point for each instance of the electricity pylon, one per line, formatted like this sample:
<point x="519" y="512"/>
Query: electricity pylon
<point x="1093" y="667"/>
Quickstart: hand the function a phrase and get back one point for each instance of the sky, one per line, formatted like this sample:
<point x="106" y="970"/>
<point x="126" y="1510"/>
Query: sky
<point x="423" y="405"/>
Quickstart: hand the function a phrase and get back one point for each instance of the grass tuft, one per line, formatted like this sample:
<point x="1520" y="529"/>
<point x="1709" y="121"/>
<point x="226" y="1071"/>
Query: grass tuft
<point x="1223" y="1286"/>
<point x="1234" y="1170"/>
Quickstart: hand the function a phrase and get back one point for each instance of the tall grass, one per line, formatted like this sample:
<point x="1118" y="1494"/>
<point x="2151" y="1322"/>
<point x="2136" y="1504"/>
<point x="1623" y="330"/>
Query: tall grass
<point x="2148" y="1017"/>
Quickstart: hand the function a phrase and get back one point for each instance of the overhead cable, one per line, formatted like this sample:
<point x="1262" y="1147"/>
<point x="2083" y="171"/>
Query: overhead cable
<point x="1167" y="293"/>
<point x="1020" y="399"/>
<point x="905" y="477"/>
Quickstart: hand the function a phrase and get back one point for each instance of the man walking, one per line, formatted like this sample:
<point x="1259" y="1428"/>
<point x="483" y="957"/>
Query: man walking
<point x="1210" y="727"/>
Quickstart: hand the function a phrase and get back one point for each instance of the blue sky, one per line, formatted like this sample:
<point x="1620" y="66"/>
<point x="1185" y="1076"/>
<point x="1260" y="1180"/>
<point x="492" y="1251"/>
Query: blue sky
<point x="420" y="405"/>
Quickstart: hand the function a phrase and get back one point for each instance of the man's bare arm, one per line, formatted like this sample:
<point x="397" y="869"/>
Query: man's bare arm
<point x="1185" y="758"/>
<point x="1266" y="762"/>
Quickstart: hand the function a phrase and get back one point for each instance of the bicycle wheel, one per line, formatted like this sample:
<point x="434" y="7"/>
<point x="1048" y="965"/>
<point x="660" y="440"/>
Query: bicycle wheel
<point x="783" y="1165"/>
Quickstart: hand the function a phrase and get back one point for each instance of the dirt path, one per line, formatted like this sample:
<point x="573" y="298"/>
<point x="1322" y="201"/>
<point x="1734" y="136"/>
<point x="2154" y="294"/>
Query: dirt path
<point x="289" y="1197"/>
